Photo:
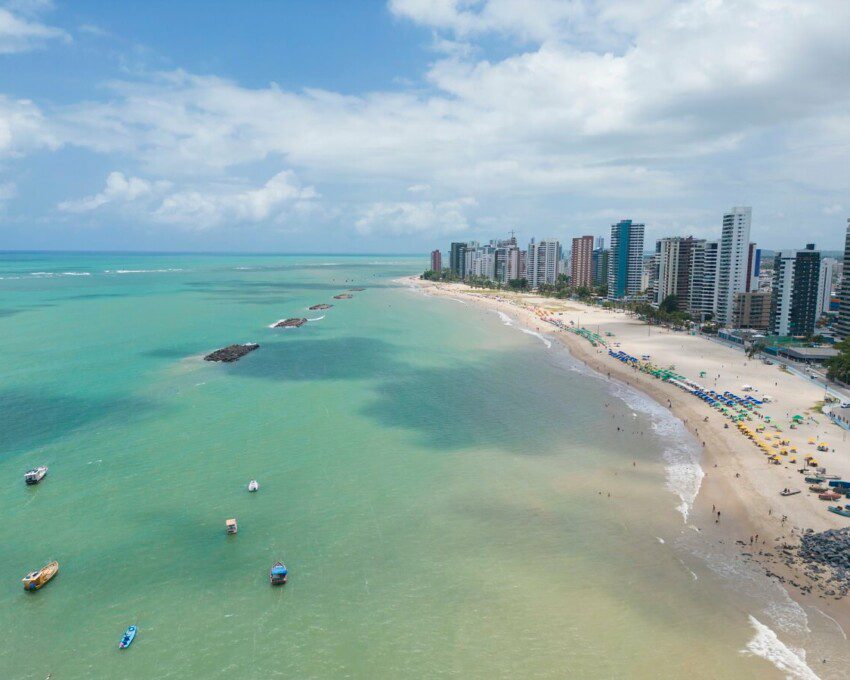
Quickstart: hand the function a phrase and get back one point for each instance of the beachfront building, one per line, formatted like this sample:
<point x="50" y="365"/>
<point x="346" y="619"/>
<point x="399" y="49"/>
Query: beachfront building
<point x="842" y="327"/>
<point x="625" y="263"/>
<point x="506" y="264"/>
<point x="733" y="260"/>
<point x="480" y="261"/>
<point x="582" y="262"/>
<point x="795" y="292"/>
<point x="753" y="267"/>
<point x="825" y="279"/>
<point x="702" y="298"/>
<point x="436" y="261"/>
<point x="600" y="266"/>
<point x="457" y="259"/>
<point x="674" y="257"/>
<point x="542" y="262"/>
<point x="752" y="310"/>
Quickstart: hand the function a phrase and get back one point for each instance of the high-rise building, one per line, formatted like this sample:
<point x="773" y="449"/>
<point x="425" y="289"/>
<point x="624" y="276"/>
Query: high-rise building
<point x="457" y="260"/>
<point x="436" y="261"/>
<point x="582" y="261"/>
<point x="542" y="262"/>
<point x="795" y="292"/>
<point x="733" y="257"/>
<point x="842" y="327"/>
<point x="600" y="266"/>
<point x="674" y="261"/>
<point x="752" y="310"/>
<point x="625" y="262"/>
<point x="827" y="274"/>
<point x="705" y="261"/>
<point x="753" y="267"/>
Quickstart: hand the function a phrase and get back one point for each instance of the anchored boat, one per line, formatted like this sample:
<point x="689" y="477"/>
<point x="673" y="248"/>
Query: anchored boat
<point x="253" y="485"/>
<point x="35" y="475"/>
<point x="278" y="574"/>
<point x="230" y="526"/>
<point x="128" y="638"/>
<point x="36" y="579"/>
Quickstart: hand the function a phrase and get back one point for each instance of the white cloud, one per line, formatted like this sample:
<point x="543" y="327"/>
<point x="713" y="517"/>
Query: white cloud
<point x="23" y="128"/>
<point x="18" y="34"/>
<point x="119" y="189"/>
<point x="652" y="106"/>
<point x="203" y="209"/>
<point x="209" y="206"/>
<point x="424" y="217"/>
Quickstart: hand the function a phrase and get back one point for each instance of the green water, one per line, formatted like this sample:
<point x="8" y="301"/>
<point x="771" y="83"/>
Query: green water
<point x="430" y="476"/>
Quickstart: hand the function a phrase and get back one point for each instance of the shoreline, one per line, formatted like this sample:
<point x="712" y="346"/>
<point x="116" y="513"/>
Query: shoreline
<point x="746" y="509"/>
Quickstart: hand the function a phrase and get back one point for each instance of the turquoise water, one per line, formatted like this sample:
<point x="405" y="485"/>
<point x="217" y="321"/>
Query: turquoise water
<point x="435" y="480"/>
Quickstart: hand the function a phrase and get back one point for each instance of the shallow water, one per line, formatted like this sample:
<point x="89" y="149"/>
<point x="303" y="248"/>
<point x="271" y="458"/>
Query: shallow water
<point x="436" y="481"/>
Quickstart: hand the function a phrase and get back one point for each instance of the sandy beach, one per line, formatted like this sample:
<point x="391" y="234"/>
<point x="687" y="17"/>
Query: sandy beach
<point x="739" y="482"/>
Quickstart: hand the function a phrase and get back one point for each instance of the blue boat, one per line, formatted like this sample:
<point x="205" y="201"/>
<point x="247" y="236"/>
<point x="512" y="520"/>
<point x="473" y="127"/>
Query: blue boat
<point x="128" y="638"/>
<point x="838" y="510"/>
<point x="278" y="574"/>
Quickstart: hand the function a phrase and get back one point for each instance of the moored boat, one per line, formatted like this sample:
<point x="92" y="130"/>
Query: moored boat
<point x="829" y="496"/>
<point x="278" y="574"/>
<point x="129" y="636"/>
<point x="789" y="492"/>
<point x="230" y="526"/>
<point x="35" y="475"/>
<point x="36" y="579"/>
<point x="838" y="510"/>
<point x="253" y="485"/>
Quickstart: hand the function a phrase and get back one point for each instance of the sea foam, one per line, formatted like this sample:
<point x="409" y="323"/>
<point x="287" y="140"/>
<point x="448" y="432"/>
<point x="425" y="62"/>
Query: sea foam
<point x="767" y="645"/>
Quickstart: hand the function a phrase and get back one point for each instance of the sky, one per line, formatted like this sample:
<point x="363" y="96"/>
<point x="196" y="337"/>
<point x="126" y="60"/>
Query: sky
<point x="397" y="126"/>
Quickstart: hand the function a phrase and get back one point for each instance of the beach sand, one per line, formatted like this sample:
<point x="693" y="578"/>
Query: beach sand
<point x="738" y="481"/>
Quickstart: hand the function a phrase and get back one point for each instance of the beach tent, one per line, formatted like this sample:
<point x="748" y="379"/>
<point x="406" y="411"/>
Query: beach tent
<point x="797" y="418"/>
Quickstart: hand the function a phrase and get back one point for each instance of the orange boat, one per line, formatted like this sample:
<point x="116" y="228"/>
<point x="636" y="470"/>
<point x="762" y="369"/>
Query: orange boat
<point x="36" y="579"/>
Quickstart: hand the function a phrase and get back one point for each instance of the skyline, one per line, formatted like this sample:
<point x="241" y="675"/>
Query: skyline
<point x="396" y="126"/>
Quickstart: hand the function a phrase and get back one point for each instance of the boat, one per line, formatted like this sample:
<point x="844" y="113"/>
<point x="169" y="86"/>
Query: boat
<point x="278" y="574"/>
<point x="829" y="496"/>
<point x="838" y="510"/>
<point x="815" y="488"/>
<point x="253" y="485"/>
<point x="789" y="492"/>
<point x="230" y="526"/>
<point x="128" y="638"/>
<point x="35" y="475"/>
<point x="813" y="480"/>
<point x="36" y="579"/>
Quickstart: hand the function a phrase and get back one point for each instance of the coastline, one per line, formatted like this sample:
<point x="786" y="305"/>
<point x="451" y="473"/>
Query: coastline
<point x="744" y="491"/>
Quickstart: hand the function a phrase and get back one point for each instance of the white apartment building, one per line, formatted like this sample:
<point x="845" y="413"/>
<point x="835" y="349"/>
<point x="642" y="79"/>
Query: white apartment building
<point x="542" y="262"/>
<point x="733" y="260"/>
<point x="783" y="287"/>
<point x="705" y="262"/>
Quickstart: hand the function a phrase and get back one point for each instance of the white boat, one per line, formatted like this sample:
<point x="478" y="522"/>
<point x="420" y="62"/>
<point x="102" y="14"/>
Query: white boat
<point x="253" y="485"/>
<point x="35" y="475"/>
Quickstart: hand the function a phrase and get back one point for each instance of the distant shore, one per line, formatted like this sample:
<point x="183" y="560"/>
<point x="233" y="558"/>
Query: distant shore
<point x="737" y="481"/>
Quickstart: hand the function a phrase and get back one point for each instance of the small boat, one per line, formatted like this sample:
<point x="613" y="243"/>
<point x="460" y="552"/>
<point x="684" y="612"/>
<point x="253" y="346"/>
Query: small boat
<point x="815" y="488"/>
<point x="128" y="638"/>
<point x="36" y="579"/>
<point x="35" y="475"/>
<point x="278" y="574"/>
<point x="829" y="496"/>
<point x="253" y="485"/>
<point x="789" y="492"/>
<point x="230" y="526"/>
<point x="838" y="510"/>
<point x="813" y="480"/>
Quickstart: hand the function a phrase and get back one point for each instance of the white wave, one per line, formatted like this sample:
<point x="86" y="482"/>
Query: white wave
<point x="142" y="271"/>
<point x="660" y="540"/>
<point x="505" y="318"/>
<point x="458" y="300"/>
<point x="52" y="274"/>
<point x="75" y="274"/>
<point x="318" y="318"/>
<point x="767" y="645"/>
<point x="546" y="341"/>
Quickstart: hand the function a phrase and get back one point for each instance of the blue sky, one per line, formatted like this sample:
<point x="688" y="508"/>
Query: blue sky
<point x="399" y="126"/>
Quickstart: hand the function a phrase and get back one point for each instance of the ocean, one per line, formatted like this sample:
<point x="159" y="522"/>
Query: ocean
<point x="453" y="498"/>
